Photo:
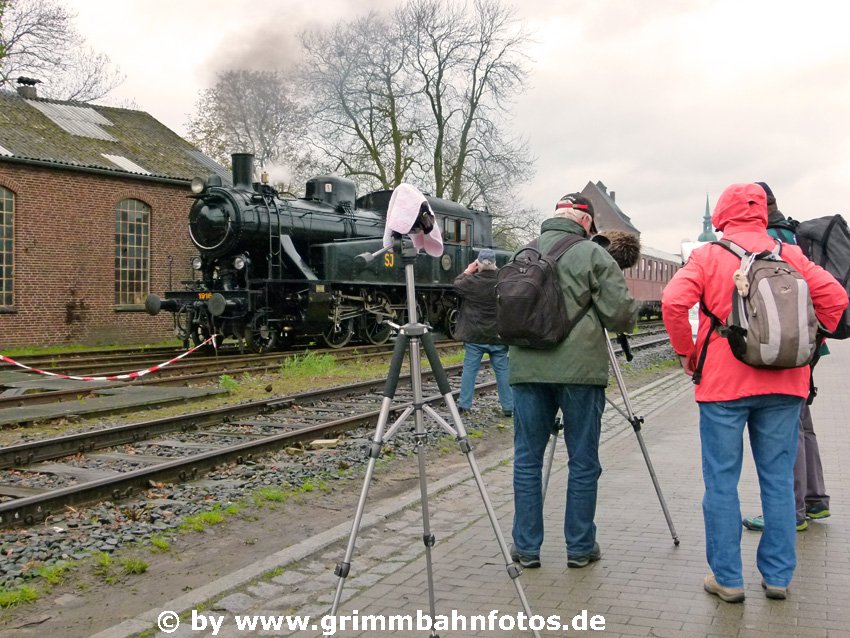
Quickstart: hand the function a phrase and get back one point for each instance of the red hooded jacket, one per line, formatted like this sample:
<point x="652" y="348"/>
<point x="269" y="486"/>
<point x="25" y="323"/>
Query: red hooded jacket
<point x="741" y="213"/>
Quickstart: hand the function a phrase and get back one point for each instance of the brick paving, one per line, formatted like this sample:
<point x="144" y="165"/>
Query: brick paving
<point x="643" y="586"/>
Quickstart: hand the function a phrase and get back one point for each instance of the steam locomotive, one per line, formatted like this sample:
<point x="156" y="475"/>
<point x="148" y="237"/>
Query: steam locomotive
<point x="275" y="270"/>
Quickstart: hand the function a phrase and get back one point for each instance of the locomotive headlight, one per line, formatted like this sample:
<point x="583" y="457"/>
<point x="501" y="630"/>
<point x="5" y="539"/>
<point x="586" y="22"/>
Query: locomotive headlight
<point x="239" y="262"/>
<point x="198" y="184"/>
<point x="196" y="263"/>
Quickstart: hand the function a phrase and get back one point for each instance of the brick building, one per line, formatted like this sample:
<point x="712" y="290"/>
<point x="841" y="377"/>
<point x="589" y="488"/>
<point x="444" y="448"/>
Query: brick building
<point x="93" y="217"/>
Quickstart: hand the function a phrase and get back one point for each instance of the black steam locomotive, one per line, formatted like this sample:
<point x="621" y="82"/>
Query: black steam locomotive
<point x="275" y="271"/>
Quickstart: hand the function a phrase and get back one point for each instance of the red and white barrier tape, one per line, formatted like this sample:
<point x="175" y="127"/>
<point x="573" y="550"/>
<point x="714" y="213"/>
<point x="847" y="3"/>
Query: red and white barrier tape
<point x="117" y="377"/>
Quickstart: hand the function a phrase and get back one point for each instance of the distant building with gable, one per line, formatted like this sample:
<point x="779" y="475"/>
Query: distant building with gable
<point x="607" y="214"/>
<point x="93" y="216"/>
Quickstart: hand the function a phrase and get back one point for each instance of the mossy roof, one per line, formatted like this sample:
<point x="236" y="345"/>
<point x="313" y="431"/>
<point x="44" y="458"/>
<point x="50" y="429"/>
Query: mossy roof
<point x="78" y="135"/>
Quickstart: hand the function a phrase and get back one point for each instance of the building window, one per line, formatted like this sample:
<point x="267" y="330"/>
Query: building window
<point x="132" y="261"/>
<point x="7" y="246"/>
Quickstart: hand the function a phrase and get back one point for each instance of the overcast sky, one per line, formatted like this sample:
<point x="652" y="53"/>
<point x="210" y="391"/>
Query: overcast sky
<point x="665" y="101"/>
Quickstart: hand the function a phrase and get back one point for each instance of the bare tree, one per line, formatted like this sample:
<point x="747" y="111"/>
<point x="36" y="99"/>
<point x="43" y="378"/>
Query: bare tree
<point x="365" y="119"/>
<point x="250" y="111"/>
<point x="38" y="39"/>
<point x="422" y="96"/>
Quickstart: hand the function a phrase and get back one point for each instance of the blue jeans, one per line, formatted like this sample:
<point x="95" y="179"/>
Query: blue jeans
<point x="772" y="421"/>
<point x="472" y="355"/>
<point x="535" y="407"/>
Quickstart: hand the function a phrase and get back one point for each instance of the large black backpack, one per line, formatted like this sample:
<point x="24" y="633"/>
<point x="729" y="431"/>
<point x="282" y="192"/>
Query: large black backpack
<point x="530" y="309"/>
<point x="826" y="241"/>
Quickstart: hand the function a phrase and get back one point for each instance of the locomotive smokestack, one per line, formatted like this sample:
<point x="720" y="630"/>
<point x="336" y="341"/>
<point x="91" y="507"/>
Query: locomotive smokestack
<point x="243" y="171"/>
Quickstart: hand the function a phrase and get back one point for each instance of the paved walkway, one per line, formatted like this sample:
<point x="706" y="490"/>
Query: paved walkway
<point x="643" y="586"/>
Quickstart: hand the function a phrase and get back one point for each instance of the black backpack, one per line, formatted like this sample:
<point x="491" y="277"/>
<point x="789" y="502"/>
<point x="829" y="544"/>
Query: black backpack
<point x="826" y="241"/>
<point x="530" y="309"/>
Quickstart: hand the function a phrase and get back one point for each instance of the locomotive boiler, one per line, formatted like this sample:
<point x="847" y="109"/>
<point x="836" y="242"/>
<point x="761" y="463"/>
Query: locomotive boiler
<point x="274" y="270"/>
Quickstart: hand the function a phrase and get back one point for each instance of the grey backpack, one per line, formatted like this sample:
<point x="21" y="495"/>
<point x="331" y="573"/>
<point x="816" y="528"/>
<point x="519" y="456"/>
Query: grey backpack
<point x="773" y="322"/>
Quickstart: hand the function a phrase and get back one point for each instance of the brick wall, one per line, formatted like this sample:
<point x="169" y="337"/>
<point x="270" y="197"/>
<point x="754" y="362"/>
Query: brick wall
<point x="64" y="281"/>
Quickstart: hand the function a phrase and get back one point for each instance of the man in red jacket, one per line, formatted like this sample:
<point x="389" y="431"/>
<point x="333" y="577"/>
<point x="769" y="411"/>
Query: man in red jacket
<point x="732" y="394"/>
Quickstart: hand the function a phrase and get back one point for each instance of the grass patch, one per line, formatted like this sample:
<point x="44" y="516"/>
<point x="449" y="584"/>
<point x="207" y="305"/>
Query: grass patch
<point x="310" y="364"/>
<point x="273" y="494"/>
<point x="133" y="566"/>
<point x="160" y="543"/>
<point x="228" y="383"/>
<point x="53" y="573"/>
<point x="14" y="597"/>
<point x="215" y="516"/>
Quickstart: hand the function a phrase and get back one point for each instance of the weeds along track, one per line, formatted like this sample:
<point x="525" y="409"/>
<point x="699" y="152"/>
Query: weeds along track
<point x="192" y="370"/>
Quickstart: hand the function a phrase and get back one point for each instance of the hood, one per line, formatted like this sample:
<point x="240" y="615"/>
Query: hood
<point x="741" y="206"/>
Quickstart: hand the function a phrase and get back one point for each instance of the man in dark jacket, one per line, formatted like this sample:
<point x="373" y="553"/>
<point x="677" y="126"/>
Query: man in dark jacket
<point x="571" y="377"/>
<point x="476" y="327"/>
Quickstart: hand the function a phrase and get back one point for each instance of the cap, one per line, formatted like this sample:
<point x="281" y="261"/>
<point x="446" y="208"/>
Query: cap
<point x="405" y="207"/>
<point x="579" y="202"/>
<point x="770" y="197"/>
<point x="487" y="254"/>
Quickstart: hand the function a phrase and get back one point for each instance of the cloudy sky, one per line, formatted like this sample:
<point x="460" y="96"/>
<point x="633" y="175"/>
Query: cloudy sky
<point x="665" y="101"/>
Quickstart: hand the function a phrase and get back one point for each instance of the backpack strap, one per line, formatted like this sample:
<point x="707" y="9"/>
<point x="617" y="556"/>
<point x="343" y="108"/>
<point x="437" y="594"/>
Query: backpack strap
<point x="556" y="252"/>
<point x="715" y="323"/>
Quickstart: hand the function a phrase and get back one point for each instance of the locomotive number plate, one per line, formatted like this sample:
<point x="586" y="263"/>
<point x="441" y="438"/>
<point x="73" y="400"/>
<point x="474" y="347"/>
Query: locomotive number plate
<point x="203" y="296"/>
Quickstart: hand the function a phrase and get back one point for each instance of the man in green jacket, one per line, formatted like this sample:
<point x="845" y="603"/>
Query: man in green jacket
<point x="571" y="377"/>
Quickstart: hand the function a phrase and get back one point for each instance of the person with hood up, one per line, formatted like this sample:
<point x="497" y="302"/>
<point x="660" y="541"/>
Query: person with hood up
<point x="732" y="394"/>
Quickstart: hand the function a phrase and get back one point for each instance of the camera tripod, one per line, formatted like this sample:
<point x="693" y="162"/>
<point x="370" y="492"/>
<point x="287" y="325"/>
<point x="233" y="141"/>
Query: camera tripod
<point x="410" y="337"/>
<point x="629" y="415"/>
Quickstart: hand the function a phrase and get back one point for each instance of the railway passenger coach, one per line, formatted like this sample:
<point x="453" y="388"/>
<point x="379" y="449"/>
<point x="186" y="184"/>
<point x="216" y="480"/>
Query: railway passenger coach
<point x="647" y="279"/>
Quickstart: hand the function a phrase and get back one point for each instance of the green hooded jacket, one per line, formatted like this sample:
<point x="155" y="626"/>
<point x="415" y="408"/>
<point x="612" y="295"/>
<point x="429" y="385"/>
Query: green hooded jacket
<point x="587" y="274"/>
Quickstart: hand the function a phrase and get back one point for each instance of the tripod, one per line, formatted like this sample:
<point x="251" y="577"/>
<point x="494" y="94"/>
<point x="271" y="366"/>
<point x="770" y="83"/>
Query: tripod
<point x="410" y="336"/>
<point x="629" y="415"/>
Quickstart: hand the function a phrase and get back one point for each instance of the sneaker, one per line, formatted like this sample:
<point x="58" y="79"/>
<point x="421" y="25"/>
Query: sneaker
<point x="511" y="413"/>
<point x="774" y="593"/>
<point x="755" y="523"/>
<point x="531" y="562"/>
<point x="461" y="410"/>
<point x="817" y="512"/>
<point x="584" y="561"/>
<point x="726" y="594"/>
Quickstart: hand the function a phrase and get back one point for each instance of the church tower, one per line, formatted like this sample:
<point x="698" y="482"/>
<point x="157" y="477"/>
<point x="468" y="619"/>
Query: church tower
<point x="707" y="234"/>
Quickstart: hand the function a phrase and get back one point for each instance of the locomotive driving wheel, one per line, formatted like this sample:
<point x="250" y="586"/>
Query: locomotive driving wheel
<point x="201" y="332"/>
<point x="260" y="335"/>
<point x="450" y="322"/>
<point x="339" y="334"/>
<point x="378" y="308"/>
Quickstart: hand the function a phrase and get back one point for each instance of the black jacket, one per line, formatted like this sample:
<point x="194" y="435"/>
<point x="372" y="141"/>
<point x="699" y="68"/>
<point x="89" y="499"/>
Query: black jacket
<point x="477" y="320"/>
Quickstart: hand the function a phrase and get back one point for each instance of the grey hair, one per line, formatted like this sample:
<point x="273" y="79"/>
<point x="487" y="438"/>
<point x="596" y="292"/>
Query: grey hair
<point x="486" y="265"/>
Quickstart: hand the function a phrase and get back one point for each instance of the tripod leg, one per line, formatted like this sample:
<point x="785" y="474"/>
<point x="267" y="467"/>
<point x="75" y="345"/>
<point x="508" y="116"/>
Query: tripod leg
<point x="343" y="568"/>
<point x="636" y="423"/>
<point x="466" y="447"/>
<point x="550" y="455"/>
<point x="419" y="436"/>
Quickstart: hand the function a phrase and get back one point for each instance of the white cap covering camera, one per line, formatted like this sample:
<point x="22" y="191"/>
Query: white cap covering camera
<point x="409" y="213"/>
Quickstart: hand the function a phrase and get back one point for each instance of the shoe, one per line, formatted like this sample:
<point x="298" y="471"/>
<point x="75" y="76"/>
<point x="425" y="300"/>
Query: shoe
<point x="583" y="561"/>
<point x="511" y="413"/>
<point x="726" y="594"/>
<point x="531" y="562"/>
<point x="461" y="410"/>
<point x="755" y="523"/>
<point x="774" y="593"/>
<point x="817" y="512"/>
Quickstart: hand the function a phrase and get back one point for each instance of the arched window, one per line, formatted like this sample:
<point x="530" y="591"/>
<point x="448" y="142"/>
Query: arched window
<point x="7" y="247"/>
<point x="132" y="259"/>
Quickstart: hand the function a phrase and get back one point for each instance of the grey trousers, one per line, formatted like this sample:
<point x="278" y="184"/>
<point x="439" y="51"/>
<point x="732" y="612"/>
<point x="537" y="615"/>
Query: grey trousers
<point x="809" y="489"/>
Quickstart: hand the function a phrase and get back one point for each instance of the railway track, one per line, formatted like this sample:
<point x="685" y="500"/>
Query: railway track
<point x="187" y="372"/>
<point x="41" y="478"/>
